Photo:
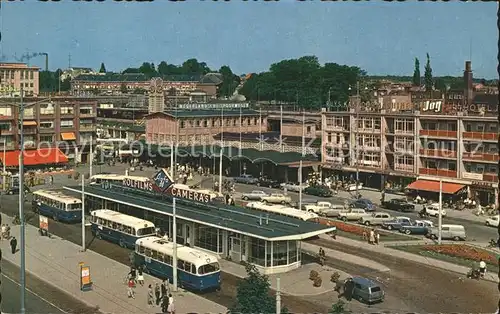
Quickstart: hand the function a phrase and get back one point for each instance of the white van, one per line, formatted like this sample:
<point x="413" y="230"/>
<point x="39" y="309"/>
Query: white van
<point x="449" y="232"/>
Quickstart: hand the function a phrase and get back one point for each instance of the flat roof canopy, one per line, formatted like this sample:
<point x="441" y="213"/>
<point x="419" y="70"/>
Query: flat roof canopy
<point x="236" y="219"/>
<point x="433" y="186"/>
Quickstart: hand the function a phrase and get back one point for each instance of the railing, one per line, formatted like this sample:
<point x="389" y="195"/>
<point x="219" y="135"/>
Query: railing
<point x="438" y="153"/>
<point x="437" y="172"/>
<point x="481" y="136"/>
<point x="490" y="177"/>
<point x="438" y="133"/>
<point x="410" y="132"/>
<point x="403" y="167"/>
<point x="335" y="128"/>
<point x="2" y="117"/>
<point x="366" y="130"/>
<point x="480" y="156"/>
<point x="87" y="127"/>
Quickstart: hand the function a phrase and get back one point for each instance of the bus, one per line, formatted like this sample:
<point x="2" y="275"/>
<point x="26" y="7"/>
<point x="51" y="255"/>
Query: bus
<point x="284" y="211"/>
<point x="119" y="228"/>
<point x="196" y="269"/>
<point x="58" y="206"/>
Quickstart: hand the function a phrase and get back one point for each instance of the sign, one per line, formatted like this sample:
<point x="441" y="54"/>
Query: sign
<point x="190" y="195"/>
<point x="140" y="185"/>
<point x="85" y="282"/>
<point x="472" y="176"/>
<point x="434" y="106"/>
<point x="482" y="184"/>
<point x="205" y="106"/>
<point x="44" y="223"/>
<point x="163" y="180"/>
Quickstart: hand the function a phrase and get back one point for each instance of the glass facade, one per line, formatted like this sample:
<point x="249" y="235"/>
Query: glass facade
<point x="257" y="252"/>
<point x="208" y="238"/>
<point x="277" y="253"/>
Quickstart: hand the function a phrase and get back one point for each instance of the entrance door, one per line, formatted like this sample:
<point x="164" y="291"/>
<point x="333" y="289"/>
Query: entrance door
<point x="235" y="250"/>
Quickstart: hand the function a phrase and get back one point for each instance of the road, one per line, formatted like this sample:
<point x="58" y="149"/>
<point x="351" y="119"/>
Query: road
<point x="40" y="297"/>
<point x="476" y="231"/>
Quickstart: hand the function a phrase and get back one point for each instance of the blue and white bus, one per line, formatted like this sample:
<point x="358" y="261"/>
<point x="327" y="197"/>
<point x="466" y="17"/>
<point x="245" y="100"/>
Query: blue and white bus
<point x="196" y="269"/>
<point x="119" y="228"/>
<point x="58" y="206"/>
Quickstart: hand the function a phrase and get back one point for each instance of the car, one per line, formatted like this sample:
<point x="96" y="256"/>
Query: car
<point x="433" y="210"/>
<point x="318" y="190"/>
<point x="397" y="223"/>
<point x="398" y="204"/>
<point x="363" y="203"/>
<point x="418" y="227"/>
<point x="246" y="179"/>
<point x="13" y="190"/>
<point x="352" y="187"/>
<point x="448" y="232"/>
<point x="253" y="196"/>
<point x="324" y="208"/>
<point x="293" y="186"/>
<point x="492" y="221"/>
<point x="276" y="198"/>
<point x="268" y="182"/>
<point x="375" y="219"/>
<point x="354" y="214"/>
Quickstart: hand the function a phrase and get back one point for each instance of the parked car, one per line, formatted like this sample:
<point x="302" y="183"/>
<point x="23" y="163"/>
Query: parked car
<point x="352" y="187"/>
<point x="448" y="232"/>
<point x="419" y="227"/>
<point x="324" y="208"/>
<point x="277" y="198"/>
<point x="246" y="179"/>
<point x="397" y="223"/>
<point x="399" y="204"/>
<point x="318" y="190"/>
<point x="492" y="221"/>
<point x="433" y="210"/>
<point x="366" y="290"/>
<point x="375" y="219"/>
<point x="253" y="196"/>
<point x="354" y="214"/>
<point x="268" y="182"/>
<point x="363" y="203"/>
<point x="294" y="186"/>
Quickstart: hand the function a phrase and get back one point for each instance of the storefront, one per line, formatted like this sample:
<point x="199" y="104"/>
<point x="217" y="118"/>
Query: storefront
<point x="486" y="193"/>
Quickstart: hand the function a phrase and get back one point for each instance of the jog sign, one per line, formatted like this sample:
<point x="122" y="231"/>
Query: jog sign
<point x="85" y="282"/>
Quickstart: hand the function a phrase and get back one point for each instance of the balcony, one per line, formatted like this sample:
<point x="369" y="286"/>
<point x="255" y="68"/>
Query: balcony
<point x="337" y="128"/>
<point x="46" y="130"/>
<point x="481" y="136"/>
<point x="404" y="132"/>
<point x="437" y="172"/>
<point x="87" y="128"/>
<point x="87" y="115"/>
<point x="438" y="133"/>
<point x="371" y="131"/>
<point x="403" y="167"/>
<point x="443" y="153"/>
<point x="6" y="118"/>
<point x="490" y="177"/>
<point x="478" y="156"/>
<point x="30" y="131"/>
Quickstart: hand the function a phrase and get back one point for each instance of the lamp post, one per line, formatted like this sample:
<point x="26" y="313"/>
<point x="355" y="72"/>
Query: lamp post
<point x="356" y="134"/>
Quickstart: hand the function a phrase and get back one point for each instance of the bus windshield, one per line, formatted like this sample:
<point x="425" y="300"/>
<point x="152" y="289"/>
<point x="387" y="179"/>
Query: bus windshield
<point x="146" y="231"/>
<point x="74" y="207"/>
<point x="208" y="268"/>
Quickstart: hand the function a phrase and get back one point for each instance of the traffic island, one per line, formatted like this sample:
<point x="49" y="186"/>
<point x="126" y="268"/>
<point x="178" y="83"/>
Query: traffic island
<point x="459" y="254"/>
<point x="360" y="233"/>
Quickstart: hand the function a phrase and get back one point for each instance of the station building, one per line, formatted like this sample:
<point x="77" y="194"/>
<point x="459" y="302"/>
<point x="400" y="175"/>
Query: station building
<point x="271" y="242"/>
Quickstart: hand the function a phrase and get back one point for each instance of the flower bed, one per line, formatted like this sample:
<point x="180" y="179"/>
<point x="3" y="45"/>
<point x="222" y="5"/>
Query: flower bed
<point x="345" y="227"/>
<point x="463" y="251"/>
<point x="356" y="231"/>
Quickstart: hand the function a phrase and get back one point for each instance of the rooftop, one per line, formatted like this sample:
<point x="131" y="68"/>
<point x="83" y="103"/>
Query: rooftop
<point x="136" y="77"/>
<point x="209" y="113"/>
<point x="235" y="219"/>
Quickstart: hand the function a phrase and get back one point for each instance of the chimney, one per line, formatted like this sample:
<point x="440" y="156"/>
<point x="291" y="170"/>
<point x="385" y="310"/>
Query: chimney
<point x="468" y="88"/>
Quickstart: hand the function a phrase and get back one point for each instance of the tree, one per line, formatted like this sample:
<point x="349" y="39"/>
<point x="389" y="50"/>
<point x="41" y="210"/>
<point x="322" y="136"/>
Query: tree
<point x="229" y="81"/>
<point x="428" y="75"/>
<point x="416" y="73"/>
<point x="252" y="294"/>
<point x="148" y="69"/>
<point x="339" y="308"/>
<point x="103" y="68"/>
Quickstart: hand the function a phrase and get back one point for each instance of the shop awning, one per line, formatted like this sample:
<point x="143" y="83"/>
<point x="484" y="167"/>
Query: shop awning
<point x="68" y="136"/>
<point x="433" y="186"/>
<point x="42" y="156"/>
<point x="29" y="123"/>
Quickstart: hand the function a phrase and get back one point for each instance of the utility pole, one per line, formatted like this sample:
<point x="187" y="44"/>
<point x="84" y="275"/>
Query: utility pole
<point x="221" y="148"/>
<point x="83" y="214"/>
<point x="356" y="138"/>
<point x="21" y="205"/>
<point x="440" y="215"/>
<point x="4" y="170"/>
<point x="174" y="238"/>
<point x="278" y="296"/>
<point x="91" y="155"/>
<point x="282" y="147"/>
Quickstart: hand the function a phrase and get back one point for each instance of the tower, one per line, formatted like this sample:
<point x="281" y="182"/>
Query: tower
<point x="156" y="96"/>
<point x="468" y="88"/>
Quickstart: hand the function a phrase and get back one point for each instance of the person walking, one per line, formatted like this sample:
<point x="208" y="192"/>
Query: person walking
<point x="157" y="294"/>
<point x="131" y="286"/>
<point x="164" y="304"/>
<point x="164" y="289"/>
<point x="482" y="268"/>
<point x="377" y="237"/>
<point x="13" y="245"/>
<point x="140" y="277"/>
<point x="371" y="239"/>
<point x="171" y="306"/>
<point x="150" y="296"/>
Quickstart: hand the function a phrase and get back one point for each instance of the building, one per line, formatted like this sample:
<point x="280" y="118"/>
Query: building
<point x="14" y="76"/>
<point x="156" y="96"/>
<point x="75" y="71"/>
<point x="271" y="242"/>
<point x="61" y="122"/>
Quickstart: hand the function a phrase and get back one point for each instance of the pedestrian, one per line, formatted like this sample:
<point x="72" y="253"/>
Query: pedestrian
<point x="348" y="289"/>
<point x="150" y="296"/>
<point x="171" y="307"/>
<point x="157" y="293"/>
<point x="3" y="230"/>
<point x="482" y="268"/>
<point x="377" y="237"/>
<point x="371" y="239"/>
<point x="164" y="289"/>
<point x="140" y="277"/>
<point x="133" y="273"/>
<point x="13" y="244"/>
<point x="131" y="286"/>
<point x="164" y="304"/>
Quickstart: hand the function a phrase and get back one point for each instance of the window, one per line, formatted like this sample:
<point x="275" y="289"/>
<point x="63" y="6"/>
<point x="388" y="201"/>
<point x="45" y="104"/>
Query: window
<point x="452" y="166"/>
<point x="208" y="238"/>
<point x="308" y="130"/>
<point x="31" y="85"/>
<point x="86" y="110"/>
<point x="205" y="123"/>
<point x="6" y="111"/>
<point x="66" y="110"/>
<point x="431" y="164"/>
<point x="46" y="124"/>
<point x="431" y="126"/>
<point x="329" y="137"/>
<point x="493" y="127"/>
<point x="468" y="127"/>
<point x="183" y="124"/>
<point x="234" y="122"/>
<point x="452" y="127"/>
<point x="46" y="109"/>
<point x="208" y="268"/>
<point x="480" y="127"/>
<point x="66" y="123"/>
<point x="31" y="77"/>
<point x="47" y="138"/>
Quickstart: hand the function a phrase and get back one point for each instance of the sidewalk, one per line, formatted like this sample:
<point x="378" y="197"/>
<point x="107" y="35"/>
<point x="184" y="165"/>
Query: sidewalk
<point x="383" y="249"/>
<point x="56" y="261"/>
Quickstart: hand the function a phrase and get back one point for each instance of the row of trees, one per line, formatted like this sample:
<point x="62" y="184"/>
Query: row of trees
<point x="254" y="295"/>
<point x="304" y="81"/>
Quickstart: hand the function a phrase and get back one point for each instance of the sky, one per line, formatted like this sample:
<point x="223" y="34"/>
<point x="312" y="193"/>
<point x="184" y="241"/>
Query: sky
<point x="381" y="38"/>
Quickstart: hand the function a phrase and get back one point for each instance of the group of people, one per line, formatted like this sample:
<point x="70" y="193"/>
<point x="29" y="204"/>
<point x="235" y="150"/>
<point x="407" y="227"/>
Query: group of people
<point x="373" y="236"/>
<point x="157" y="296"/>
<point x="348" y="288"/>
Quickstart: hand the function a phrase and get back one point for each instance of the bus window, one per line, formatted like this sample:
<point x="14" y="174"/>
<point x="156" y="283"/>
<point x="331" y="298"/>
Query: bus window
<point x="193" y="269"/>
<point x="161" y="257"/>
<point x="168" y="260"/>
<point x="148" y="252"/>
<point x="146" y="231"/>
<point x="141" y="249"/>
<point x="110" y="224"/>
<point x="129" y="230"/>
<point x="180" y="264"/>
<point x="154" y="255"/>
<point x="187" y="266"/>
<point x="114" y="225"/>
<point x="208" y="268"/>
<point x="93" y="219"/>
<point x="133" y="232"/>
